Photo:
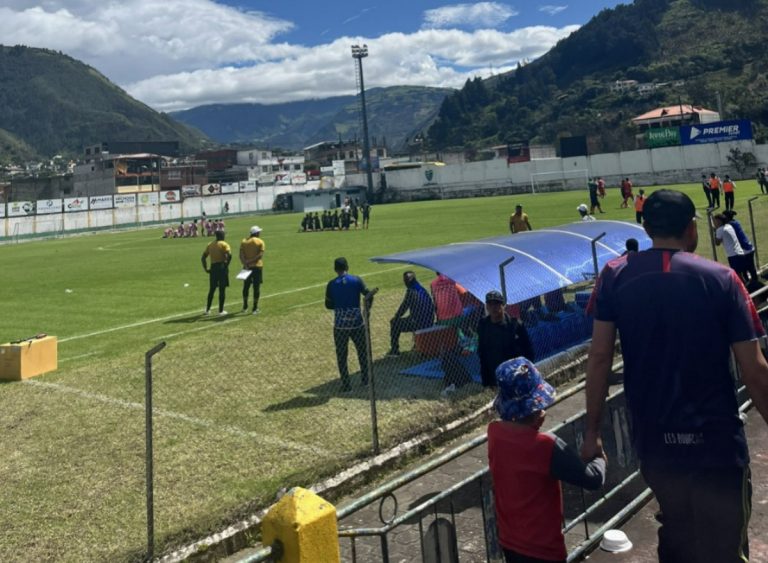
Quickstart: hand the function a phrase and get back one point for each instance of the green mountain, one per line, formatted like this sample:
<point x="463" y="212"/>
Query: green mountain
<point x="51" y="103"/>
<point x="699" y="52"/>
<point x="394" y="114"/>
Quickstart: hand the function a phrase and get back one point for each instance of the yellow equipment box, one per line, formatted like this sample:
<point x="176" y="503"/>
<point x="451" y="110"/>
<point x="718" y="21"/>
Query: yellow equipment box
<point x="28" y="358"/>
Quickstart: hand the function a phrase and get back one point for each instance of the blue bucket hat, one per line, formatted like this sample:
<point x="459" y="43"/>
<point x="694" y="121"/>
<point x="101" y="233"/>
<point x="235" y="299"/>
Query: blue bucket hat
<point x="522" y="390"/>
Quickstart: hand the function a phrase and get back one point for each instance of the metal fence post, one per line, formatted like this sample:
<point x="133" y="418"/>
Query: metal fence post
<point x="149" y="467"/>
<point x="712" y="234"/>
<point x="752" y="224"/>
<point x="371" y="378"/>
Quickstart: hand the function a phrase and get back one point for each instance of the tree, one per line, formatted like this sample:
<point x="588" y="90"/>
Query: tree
<point x="741" y="160"/>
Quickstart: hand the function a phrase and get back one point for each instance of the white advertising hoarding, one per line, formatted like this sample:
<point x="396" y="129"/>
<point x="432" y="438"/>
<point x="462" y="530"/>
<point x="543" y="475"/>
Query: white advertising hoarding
<point x="100" y="202"/>
<point x="49" y="206"/>
<point x="170" y="196"/>
<point x="149" y="198"/>
<point x="20" y="208"/>
<point x="249" y="186"/>
<point x="211" y="189"/>
<point x="125" y="200"/>
<point x="191" y="190"/>
<point x="75" y="204"/>
<point x="229" y="188"/>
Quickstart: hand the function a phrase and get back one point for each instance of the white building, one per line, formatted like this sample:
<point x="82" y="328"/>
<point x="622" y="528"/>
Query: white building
<point x="267" y="168"/>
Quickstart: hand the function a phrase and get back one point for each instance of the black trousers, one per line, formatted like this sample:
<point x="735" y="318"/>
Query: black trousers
<point x="341" y="338"/>
<point x="218" y="279"/>
<point x="707" y="192"/>
<point x="715" y="197"/>
<point x="704" y="513"/>
<point x="398" y="326"/>
<point x="253" y="280"/>
<point x="729" y="200"/>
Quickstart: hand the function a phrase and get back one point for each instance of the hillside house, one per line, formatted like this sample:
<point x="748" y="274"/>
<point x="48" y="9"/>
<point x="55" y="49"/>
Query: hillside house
<point x="675" y="116"/>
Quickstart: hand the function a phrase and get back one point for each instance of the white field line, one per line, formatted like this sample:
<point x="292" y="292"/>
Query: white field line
<point x="169" y="317"/>
<point x="307" y="304"/>
<point x="225" y="429"/>
<point x="62" y="360"/>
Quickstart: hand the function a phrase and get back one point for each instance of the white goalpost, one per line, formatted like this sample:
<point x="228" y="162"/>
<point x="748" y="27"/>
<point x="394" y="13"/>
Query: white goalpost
<point x="559" y="180"/>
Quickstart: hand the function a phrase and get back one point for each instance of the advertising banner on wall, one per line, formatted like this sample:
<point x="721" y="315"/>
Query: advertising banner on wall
<point x="49" y="206"/>
<point x="717" y="132"/>
<point x="100" y="202"/>
<point x="149" y="198"/>
<point x="20" y="208"/>
<point x="249" y="186"/>
<point x="211" y="189"/>
<point x="125" y="200"/>
<point x="662" y="137"/>
<point x="170" y="196"/>
<point x="75" y="204"/>
<point x="230" y="188"/>
<point x="191" y="190"/>
<point x="2" y="209"/>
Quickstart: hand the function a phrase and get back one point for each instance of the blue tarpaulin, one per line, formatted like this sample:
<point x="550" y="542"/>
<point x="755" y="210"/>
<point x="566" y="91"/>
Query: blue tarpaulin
<point x="544" y="259"/>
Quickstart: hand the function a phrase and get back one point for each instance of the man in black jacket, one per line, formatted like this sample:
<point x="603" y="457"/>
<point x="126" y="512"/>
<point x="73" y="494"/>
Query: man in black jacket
<point x="500" y="338"/>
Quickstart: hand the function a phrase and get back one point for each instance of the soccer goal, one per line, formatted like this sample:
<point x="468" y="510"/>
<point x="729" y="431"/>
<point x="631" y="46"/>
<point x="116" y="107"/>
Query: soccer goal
<point x="559" y="181"/>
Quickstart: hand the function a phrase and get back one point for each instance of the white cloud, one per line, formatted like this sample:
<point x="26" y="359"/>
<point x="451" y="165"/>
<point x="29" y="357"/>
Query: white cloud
<point x="478" y="15"/>
<point x="175" y="54"/>
<point x="551" y="9"/>
<point x="431" y="57"/>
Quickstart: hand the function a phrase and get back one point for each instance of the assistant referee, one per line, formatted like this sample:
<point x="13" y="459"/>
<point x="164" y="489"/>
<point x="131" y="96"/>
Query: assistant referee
<point x="221" y="256"/>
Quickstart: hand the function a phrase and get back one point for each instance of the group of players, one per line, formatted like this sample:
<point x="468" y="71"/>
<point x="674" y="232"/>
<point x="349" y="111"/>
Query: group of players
<point x="187" y="230"/>
<point x="349" y="217"/>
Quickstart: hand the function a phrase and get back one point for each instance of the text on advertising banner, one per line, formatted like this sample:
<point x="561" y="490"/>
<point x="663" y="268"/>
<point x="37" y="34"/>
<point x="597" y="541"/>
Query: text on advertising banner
<point x="717" y="132"/>
<point x="100" y="202"/>
<point x="49" y="206"/>
<point x="211" y="189"/>
<point x="170" y="196"/>
<point x="229" y="188"/>
<point x="249" y="186"/>
<point x="662" y="137"/>
<point x="20" y="208"/>
<point x="191" y="190"/>
<point x="75" y="204"/>
<point x="149" y="198"/>
<point x="125" y="200"/>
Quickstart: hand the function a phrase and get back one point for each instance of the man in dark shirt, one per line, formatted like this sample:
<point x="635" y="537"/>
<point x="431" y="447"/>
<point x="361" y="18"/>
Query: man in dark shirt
<point x="421" y="312"/>
<point x="342" y="294"/>
<point x="679" y="317"/>
<point x="499" y="338"/>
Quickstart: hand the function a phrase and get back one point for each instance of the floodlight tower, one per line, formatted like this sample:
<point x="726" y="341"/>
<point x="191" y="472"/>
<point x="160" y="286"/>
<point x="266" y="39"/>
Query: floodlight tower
<point x="359" y="53"/>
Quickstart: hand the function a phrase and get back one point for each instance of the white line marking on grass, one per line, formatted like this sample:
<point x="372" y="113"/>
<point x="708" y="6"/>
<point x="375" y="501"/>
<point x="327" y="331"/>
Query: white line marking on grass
<point x="177" y="315"/>
<point x="226" y="429"/>
<point x="62" y="360"/>
<point x="307" y="304"/>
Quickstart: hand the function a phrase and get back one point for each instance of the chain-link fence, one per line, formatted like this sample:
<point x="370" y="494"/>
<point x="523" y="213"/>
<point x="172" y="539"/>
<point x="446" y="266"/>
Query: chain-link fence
<point x="250" y="405"/>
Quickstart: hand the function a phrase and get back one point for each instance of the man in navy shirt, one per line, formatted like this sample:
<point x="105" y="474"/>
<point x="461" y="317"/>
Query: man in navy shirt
<point x="342" y="294"/>
<point x="679" y="317"/>
<point x="421" y="312"/>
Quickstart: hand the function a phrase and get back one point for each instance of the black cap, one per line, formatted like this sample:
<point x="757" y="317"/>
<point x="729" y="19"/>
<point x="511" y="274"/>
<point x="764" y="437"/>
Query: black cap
<point x="494" y="297"/>
<point x="668" y="212"/>
<point x="340" y="265"/>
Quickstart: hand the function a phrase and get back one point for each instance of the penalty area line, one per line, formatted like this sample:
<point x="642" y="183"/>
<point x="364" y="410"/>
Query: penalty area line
<point x="187" y="313"/>
<point x="201" y="422"/>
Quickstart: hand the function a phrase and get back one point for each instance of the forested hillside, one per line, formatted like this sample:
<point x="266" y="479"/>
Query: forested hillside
<point x="691" y="50"/>
<point x="51" y="103"/>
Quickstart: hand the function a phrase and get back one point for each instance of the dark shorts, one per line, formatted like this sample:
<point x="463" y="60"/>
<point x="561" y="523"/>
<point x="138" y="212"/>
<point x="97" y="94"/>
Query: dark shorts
<point x="219" y="275"/>
<point x="593" y="198"/>
<point x="256" y="276"/>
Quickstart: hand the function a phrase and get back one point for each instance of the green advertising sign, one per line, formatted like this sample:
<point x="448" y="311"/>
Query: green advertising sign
<point x="662" y="137"/>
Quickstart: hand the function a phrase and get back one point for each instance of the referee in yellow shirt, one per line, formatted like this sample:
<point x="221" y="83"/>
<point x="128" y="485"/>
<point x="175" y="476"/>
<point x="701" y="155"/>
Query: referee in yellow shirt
<point x="518" y="221"/>
<point x="221" y="256"/>
<point x="251" y="255"/>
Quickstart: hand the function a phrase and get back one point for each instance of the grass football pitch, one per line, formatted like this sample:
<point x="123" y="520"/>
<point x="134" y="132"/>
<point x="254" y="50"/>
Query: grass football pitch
<point x="244" y="405"/>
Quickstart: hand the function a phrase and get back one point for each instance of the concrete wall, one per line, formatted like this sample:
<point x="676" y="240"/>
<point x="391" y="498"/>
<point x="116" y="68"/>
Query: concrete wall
<point x="648" y="167"/>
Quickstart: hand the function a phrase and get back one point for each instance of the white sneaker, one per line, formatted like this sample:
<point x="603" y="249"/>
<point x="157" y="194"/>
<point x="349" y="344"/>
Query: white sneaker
<point x="223" y="313"/>
<point x="256" y="312"/>
<point x="245" y="309"/>
<point x="206" y="312"/>
<point x="448" y="390"/>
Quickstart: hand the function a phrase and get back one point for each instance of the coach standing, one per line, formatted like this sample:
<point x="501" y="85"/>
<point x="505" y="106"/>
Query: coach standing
<point x="218" y="273"/>
<point x="679" y="316"/>
<point x="342" y="294"/>
<point x="251" y="255"/>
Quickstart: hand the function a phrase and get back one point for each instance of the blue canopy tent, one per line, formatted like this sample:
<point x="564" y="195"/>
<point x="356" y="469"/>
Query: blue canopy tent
<point x="534" y="263"/>
<point x="543" y="260"/>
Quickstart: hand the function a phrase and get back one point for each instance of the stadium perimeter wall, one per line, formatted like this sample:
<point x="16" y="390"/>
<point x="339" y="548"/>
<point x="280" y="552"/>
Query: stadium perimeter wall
<point x="648" y="167"/>
<point x="52" y="224"/>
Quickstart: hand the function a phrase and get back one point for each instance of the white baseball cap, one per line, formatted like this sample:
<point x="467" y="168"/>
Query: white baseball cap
<point x="255" y="230"/>
<point x="582" y="208"/>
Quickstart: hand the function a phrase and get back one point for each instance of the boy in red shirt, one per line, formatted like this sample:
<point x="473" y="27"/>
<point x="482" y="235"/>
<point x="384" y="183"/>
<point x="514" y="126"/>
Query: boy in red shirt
<point x="527" y="466"/>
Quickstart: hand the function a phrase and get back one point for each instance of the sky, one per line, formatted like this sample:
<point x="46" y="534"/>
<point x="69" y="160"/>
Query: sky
<point x="178" y="54"/>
